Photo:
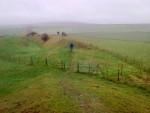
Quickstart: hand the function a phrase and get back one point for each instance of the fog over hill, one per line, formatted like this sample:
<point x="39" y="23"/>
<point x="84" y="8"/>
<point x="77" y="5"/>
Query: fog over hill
<point x="73" y="27"/>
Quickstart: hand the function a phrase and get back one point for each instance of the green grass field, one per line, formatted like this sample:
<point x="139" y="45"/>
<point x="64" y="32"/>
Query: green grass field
<point x="27" y="85"/>
<point x="133" y="45"/>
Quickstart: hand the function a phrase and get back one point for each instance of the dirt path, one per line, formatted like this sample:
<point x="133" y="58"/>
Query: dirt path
<point x="82" y="99"/>
<point x="86" y="102"/>
<point x="40" y="93"/>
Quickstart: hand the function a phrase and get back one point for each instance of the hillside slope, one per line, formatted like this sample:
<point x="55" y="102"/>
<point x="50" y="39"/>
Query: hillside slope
<point x="27" y="85"/>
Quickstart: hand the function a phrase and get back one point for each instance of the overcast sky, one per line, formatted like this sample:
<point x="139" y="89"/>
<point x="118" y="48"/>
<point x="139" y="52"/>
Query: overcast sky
<point x="91" y="11"/>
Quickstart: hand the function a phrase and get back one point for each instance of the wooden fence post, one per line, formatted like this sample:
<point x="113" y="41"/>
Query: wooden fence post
<point x="97" y="69"/>
<point x="141" y="66"/>
<point x="89" y="68"/>
<point x="121" y="70"/>
<point x="102" y="71"/>
<point x="61" y="64"/>
<point x="31" y="60"/>
<point x="64" y="66"/>
<point x="78" y="67"/>
<point x="107" y="72"/>
<point x="118" y="73"/>
<point x="46" y="61"/>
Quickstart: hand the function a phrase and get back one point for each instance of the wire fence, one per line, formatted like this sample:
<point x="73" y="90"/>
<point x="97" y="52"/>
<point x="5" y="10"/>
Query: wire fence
<point x="77" y="67"/>
<point x="118" y="72"/>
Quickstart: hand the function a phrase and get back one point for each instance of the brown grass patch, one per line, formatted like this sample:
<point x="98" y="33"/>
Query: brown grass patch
<point x="83" y="45"/>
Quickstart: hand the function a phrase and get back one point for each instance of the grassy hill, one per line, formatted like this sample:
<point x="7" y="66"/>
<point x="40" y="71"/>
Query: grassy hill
<point x="134" y="45"/>
<point x="33" y="78"/>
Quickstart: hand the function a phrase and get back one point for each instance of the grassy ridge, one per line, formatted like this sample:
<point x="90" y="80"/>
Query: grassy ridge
<point x="132" y="48"/>
<point x="44" y="89"/>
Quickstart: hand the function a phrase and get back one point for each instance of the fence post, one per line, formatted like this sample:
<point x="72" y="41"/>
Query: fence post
<point x="89" y="68"/>
<point x="31" y="60"/>
<point x="78" y="67"/>
<point x="141" y="66"/>
<point x="118" y="73"/>
<point x="107" y="71"/>
<point x="46" y="61"/>
<point x="61" y="65"/>
<point x="97" y="69"/>
<point x="121" y="70"/>
<point x="64" y="66"/>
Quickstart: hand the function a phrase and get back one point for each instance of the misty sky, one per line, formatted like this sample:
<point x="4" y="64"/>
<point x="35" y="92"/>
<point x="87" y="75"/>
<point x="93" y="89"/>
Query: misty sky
<point x="91" y="11"/>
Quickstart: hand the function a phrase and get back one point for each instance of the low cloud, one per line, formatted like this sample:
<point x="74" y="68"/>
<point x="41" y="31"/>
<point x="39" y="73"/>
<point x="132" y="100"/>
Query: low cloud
<point x="91" y="11"/>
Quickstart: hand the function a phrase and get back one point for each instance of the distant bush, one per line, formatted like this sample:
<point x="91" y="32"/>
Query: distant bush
<point x="45" y="37"/>
<point x="31" y="34"/>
